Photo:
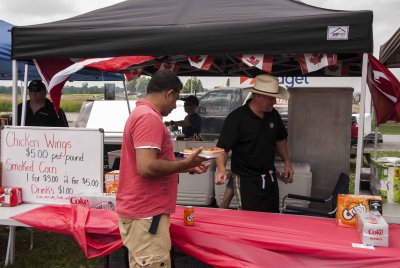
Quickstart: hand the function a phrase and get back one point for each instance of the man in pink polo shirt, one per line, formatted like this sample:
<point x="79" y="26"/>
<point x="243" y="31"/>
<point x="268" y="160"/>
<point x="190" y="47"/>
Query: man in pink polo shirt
<point x="148" y="181"/>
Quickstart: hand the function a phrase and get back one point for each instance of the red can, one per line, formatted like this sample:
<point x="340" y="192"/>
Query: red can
<point x="10" y="197"/>
<point x="188" y="214"/>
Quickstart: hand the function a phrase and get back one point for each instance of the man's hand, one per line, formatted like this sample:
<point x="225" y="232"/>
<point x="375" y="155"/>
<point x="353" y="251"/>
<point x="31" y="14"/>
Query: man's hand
<point x="200" y="169"/>
<point x="289" y="172"/>
<point x="221" y="177"/>
<point x="194" y="160"/>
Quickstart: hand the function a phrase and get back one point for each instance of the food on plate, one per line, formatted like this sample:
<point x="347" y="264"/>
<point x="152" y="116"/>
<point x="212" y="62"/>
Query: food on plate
<point x="213" y="150"/>
<point x="206" y="151"/>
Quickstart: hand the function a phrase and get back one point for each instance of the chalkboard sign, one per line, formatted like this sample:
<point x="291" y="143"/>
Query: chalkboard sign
<point x="52" y="164"/>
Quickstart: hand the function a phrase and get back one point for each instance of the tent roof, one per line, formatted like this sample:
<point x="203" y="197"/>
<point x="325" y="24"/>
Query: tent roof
<point x="390" y="51"/>
<point x="6" y="70"/>
<point x="224" y="28"/>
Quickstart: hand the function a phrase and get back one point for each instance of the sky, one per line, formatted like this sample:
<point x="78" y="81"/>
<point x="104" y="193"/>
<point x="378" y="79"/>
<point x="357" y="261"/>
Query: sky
<point x="28" y="12"/>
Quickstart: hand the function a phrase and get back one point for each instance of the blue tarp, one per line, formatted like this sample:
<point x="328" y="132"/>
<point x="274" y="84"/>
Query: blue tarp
<point x="6" y="70"/>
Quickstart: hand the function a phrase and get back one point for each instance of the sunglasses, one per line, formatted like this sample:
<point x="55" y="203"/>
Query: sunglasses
<point x="35" y="90"/>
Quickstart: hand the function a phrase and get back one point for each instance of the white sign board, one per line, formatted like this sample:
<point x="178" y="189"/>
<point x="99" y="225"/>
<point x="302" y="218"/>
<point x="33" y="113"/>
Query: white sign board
<point x="51" y="164"/>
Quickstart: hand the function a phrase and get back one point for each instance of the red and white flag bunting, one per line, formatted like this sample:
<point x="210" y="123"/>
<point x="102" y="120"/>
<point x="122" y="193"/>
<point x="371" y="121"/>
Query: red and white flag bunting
<point x="56" y="72"/>
<point x="203" y="62"/>
<point x="173" y="67"/>
<point x="260" y="61"/>
<point x="246" y="81"/>
<point x="385" y="91"/>
<point x="132" y="74"/>
<point x="339" y="69"/>
<point x="315" y="61"/>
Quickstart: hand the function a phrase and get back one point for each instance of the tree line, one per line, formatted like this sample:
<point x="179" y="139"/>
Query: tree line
<point x="135" y="86"/>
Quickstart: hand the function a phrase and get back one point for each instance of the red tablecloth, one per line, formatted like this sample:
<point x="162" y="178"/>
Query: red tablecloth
<point x="230" y="238"/>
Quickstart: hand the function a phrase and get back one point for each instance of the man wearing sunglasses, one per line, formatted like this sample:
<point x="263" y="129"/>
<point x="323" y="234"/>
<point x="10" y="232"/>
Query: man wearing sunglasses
<point x="40" y="110"/>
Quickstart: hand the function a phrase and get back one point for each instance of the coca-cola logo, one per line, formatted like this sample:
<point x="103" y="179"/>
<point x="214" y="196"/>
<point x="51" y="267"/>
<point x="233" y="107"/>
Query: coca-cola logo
<point x="79" y="201"/>
<point x="375" y="232"/>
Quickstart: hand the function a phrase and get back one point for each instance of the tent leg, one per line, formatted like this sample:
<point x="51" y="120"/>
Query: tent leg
<point x="126" y="97"/>
<point x="14" y="93"/>
<point x="360" y="141"/>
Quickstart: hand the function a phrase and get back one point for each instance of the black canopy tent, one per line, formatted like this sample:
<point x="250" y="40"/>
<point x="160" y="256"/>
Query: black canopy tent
<point x="167" y="29"/>
<point x="173" y="29"/>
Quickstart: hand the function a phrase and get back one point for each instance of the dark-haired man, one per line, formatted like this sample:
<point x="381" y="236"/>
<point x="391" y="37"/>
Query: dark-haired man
<point x="147" y="187"/>
<point x="40" y="110"/>
<point x="191" y="125"/>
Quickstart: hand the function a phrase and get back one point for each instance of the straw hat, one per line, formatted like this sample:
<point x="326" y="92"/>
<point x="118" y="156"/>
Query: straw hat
<point x="269" y="85"/>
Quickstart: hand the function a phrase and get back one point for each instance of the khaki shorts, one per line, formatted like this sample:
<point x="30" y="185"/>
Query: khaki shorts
<point x="146" y="249"/>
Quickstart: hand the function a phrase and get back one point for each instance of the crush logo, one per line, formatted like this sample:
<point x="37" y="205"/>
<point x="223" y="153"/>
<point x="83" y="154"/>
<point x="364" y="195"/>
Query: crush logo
<point x="79" y="201"/>
<point x="189" y="218"/>
<point x="352" y="210"/>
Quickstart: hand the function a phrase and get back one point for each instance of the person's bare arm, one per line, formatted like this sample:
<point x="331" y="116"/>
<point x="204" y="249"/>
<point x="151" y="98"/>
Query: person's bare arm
<point x="150" y="166"/>
<point x="283" y="152"/>
<point x="221" y="175"/>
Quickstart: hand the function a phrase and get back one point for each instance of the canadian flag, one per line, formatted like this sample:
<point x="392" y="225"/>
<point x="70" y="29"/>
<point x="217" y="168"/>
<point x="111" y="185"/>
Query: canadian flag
<point x="203" y="62"/>
<point x="339" y="69"/>
<point x="132" y="74"/>
<point x="55" y="72"/>
<point x="315" y="61"/>
<point x="385" y="91"/>
<point x="260" y="61"/>
<point x="173" y="67"/>
<point x="247" y="81"/>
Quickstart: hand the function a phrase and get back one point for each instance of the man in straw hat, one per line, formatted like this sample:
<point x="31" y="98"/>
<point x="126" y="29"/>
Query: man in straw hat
<point x="254" y="132"/>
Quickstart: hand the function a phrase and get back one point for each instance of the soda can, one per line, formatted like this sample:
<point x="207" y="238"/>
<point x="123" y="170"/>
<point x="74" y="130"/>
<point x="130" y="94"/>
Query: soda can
<point x="188" y="216"/>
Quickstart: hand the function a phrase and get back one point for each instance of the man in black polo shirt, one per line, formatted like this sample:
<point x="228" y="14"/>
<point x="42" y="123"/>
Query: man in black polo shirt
<point x="254" y="132"/>
<point x="40" y="110"/>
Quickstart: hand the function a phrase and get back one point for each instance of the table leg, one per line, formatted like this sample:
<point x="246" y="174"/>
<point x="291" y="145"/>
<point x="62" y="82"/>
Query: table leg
<point x="10" y="246"/>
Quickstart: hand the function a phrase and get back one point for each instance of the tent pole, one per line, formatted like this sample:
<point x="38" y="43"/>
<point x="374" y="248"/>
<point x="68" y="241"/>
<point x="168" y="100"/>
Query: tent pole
<point x="24" y="96"/>
<point x="14" y="93"/>
<point x="126" y="97"/>
<point x="360" y="140"/>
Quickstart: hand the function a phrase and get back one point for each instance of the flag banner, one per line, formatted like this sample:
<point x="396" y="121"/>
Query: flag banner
<point x="56" y="72"/>
<point x="132" y="74"/>
<point x="173" y="67"/>
<point x="246" y="81"/>
<point x="260" y="61"/>
<point x="339" y="69"/>
<point x="47" y="68"/>
<point x="385" y="91"/>
<point x="314" y="61"/>
<point x="203" y="62"/>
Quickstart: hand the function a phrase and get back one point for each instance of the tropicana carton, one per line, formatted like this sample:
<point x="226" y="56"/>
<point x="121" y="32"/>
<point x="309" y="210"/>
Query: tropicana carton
<point x="348" y="206"/>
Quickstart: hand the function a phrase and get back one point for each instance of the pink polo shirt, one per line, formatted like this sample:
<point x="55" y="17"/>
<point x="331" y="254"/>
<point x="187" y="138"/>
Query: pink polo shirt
<point x="139" y="197"/>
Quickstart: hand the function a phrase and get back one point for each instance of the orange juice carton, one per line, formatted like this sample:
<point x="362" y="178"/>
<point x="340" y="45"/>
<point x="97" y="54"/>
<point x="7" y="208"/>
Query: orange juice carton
<point x="372" y="229"/>
<point x="348" y="206"/>
<point x="10" y="197"/>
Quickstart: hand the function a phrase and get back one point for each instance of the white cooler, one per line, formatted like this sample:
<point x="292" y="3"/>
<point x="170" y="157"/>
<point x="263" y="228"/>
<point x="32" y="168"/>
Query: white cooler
<point x="302" y="182"/>
<point x="196" y="189"/>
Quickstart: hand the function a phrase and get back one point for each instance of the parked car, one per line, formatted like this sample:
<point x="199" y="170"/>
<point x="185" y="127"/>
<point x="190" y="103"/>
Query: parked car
<point x="215" y="105"/>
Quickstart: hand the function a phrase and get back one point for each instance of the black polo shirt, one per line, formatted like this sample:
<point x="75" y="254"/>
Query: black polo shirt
<point x="45" y="116"/>
<point x="252" y="140"/>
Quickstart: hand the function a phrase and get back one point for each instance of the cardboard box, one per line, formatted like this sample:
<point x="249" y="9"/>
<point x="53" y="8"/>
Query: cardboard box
<point x="111" y="176"/>
<point x="98" y="201"/>
<point x="348" y="206"/>
<point x="385" y="179"/>
<point x="111" y="187"/>
<point x="10" y="197"/>
<point x="372" y="229"/>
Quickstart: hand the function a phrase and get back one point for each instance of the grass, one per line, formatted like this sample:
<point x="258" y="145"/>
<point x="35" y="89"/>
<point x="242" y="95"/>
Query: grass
<point x="70" y="103"/>
<point x="49" y="250"/>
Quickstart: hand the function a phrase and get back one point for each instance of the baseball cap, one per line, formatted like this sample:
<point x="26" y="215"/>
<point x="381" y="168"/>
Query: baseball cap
<point x="36" y="84"/>
<point x="191" y="99"/>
